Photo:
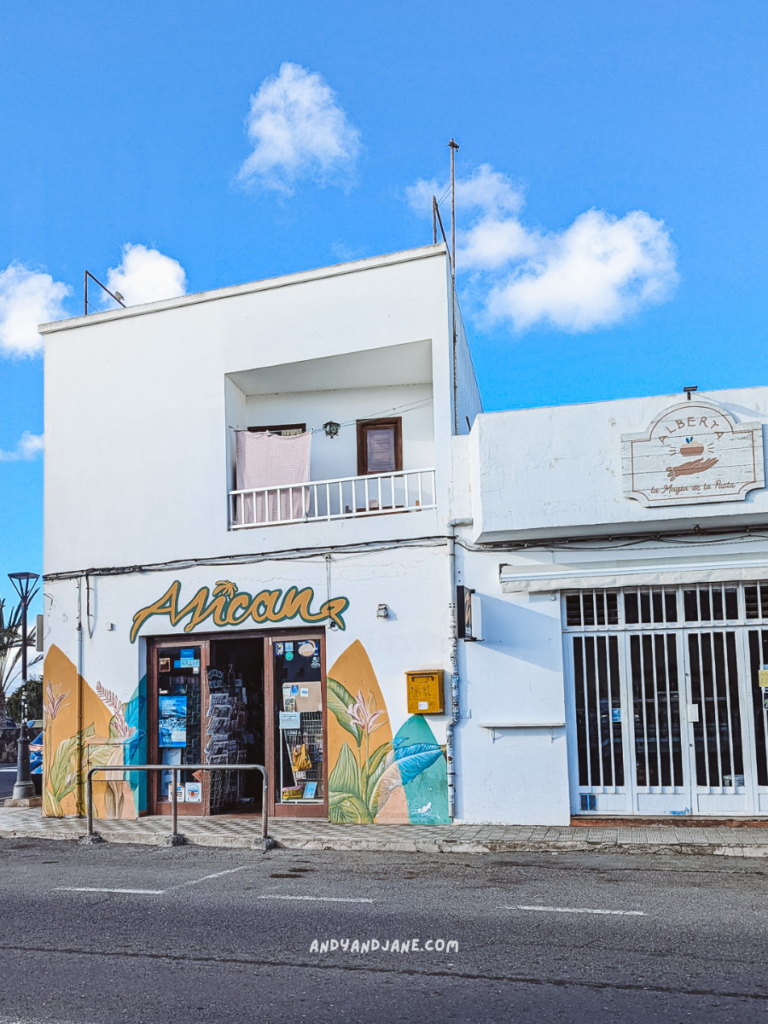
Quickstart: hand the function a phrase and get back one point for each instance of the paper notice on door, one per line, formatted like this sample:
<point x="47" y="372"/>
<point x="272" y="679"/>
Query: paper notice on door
<point x="762" y="676"/>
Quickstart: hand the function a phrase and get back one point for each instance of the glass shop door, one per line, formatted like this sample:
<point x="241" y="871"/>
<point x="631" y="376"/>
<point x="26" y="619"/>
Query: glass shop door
<point x="176" y="710"/>
<point x="297" y="732"/>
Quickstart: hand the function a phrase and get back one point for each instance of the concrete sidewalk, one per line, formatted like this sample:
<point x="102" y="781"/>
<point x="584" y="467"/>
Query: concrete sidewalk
<point x="321" y="835"/>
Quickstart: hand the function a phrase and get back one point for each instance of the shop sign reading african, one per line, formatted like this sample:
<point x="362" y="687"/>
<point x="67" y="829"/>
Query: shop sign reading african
<point x="692" y="453"/>
<point x="228" y="606"/>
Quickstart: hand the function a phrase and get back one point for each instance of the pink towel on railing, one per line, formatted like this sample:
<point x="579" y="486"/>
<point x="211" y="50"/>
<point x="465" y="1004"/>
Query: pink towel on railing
<point x="273" y="461"/>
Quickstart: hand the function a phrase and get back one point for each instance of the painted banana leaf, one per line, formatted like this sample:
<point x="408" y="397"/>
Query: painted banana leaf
<point x="346" y="805"/>
<point x="345" y="809"/>
<point x="351" y="790"/>
<point x="339" y="701"/>
<point x="408" y="763"/>
<point x="65" y="770"/>
<point x="415" y="759"/>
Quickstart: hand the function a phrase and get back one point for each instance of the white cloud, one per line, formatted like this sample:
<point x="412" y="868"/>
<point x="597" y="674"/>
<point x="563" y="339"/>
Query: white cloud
<point x="145" y="275"/>
<point x="26" y="450"/>
<point x="298" y="130"/>
<point x="27" y="298"/>
<point x="485" y="188"/>
<point x="595" y="273"/>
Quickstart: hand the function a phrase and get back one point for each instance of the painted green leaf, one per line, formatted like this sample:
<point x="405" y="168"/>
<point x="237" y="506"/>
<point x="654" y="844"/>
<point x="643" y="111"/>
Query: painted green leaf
<point x="339" y="701"/>
<point x="65" y="769"/>
<point x="415" y="759"/>
<point x="378" y="756"/>
<point x="345" y="777"/>
<point x="347" y="809"/>
<point x="409" y="762"/>
<point x="63" y="774"/>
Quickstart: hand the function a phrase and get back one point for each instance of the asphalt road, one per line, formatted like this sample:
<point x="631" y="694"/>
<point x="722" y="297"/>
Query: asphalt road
<point x="197" y="934"/>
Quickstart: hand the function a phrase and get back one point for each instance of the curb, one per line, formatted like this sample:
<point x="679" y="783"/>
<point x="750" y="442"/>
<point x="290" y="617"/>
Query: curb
<point x="347" y="845"/>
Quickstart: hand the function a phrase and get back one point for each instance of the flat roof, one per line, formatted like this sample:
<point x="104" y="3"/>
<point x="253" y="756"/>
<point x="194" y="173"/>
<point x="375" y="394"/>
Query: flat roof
<point x="678" y="396"/>
<point x="284" y="281"/>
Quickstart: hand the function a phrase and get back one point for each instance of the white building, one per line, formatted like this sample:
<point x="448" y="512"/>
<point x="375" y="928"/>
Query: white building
<point x="259" y="502"/>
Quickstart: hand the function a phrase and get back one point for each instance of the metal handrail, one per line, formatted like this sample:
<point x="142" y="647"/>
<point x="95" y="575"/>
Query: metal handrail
<point x="307" y="498"/>
<point x="175" y="838"/>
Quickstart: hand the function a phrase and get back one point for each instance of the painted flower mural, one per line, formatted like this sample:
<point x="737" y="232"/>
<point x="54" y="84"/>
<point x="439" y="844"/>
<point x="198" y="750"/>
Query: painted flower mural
<point x="379" y="778"/>
<point x="112" y="736"/>
<point x="110" y="750"/>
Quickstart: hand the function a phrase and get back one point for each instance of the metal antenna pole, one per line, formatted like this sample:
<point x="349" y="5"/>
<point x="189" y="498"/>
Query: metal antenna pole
<point x="454" y="146"/>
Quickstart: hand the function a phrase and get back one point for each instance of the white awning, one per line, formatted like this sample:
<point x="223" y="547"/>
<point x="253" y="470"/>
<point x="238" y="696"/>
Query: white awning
<point x="532" y="579"/>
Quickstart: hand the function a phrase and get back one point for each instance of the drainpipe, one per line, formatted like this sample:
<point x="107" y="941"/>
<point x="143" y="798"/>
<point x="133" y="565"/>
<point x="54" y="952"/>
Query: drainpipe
<point x="79" y="698"/>
<point x="452" y="633"/>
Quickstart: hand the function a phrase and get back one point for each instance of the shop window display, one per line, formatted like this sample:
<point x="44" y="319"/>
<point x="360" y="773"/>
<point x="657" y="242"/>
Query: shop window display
<point x="298" y="689"/>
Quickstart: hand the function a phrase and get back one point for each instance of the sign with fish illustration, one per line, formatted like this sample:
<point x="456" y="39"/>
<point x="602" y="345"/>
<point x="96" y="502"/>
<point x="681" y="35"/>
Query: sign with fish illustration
<point x="692" y="453"/>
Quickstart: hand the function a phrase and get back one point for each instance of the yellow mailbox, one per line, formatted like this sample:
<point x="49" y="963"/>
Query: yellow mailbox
<point x="425" y="692"/>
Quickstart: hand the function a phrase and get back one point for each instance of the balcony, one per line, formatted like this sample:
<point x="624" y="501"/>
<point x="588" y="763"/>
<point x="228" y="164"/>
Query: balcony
<point x="352" y="497"/>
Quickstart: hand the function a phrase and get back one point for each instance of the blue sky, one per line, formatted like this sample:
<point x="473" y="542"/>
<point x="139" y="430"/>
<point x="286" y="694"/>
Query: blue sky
<point x="126" y="125"/>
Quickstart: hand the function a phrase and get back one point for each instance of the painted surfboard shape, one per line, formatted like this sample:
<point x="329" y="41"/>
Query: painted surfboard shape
<point x="427" y="793"/>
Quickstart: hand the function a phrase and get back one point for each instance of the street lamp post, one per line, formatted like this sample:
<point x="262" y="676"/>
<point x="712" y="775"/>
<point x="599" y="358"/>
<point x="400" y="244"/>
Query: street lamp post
<point x="24" y="787"/>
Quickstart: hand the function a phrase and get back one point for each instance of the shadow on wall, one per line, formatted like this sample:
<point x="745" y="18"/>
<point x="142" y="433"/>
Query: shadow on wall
<point x="521" y="633"/>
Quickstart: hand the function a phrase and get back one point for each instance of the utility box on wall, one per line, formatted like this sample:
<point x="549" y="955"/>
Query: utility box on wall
<point x="425" y="692"/>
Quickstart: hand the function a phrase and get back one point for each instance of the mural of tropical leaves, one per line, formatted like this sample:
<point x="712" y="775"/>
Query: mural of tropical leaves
<point x="345" y="777"/>
<point x="65" y="770"/>
<point x="407" y="763"/>
<point x="345" y="809"/>
<point x="346" y="804"/>
<point x="340" y="700"/>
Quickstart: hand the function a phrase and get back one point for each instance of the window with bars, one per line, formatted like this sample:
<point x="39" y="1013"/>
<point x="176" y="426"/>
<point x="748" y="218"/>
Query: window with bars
<point x="758" y="659"/>
<point x="598" y="711"/>
<point x="756" y="601"/>
<point x="656" y="709"/>
<point x="592" y="608"/>
<point x="713" y="603"/>
<point x="658" y="606"/>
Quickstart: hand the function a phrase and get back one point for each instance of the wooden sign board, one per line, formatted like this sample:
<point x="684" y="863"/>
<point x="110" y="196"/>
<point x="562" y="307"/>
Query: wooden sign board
<point x="692" y="453"/>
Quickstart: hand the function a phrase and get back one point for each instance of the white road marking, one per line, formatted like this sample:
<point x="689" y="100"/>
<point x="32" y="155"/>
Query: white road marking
<point x="322" y="899"/>
<point x="77" y="888"/>
<point x="218" y="874"/>
<point x="150" y="892"/>
<point x="578" y="910"/>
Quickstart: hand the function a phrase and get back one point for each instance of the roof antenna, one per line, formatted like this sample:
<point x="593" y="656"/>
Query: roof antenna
<point x="115" y="295"/>
<point x="454" y="146"/>
<point x="689" y="389"/>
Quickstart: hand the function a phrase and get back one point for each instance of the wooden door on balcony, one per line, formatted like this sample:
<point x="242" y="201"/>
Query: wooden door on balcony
<point x="379" y="446"/>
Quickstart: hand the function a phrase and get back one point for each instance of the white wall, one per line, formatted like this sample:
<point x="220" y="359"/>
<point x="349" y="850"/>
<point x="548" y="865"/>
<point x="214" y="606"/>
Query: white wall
<point x="337" y="457"/>
<point x="514" y="676"/>
<point x="137" y="448"/>
<point x="558" y="469"/>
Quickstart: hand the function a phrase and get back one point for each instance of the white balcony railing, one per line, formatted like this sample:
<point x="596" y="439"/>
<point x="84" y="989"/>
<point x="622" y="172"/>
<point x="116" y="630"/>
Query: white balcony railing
<point x="409" y="490"/>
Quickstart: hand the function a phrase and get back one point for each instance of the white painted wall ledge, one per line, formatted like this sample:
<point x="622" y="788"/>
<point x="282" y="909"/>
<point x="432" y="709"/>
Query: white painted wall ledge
<point x="521" y="725"/>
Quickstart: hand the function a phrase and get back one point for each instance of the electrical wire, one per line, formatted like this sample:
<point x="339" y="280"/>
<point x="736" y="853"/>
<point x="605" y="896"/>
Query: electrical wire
<point x="423" y="403"/>
<point x="286" y="555"/>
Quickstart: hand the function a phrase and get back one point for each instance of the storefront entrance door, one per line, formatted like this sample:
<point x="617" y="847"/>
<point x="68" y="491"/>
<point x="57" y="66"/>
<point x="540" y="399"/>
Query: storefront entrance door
<point x="238" y="699"/>
<point x="666" y="715"/>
